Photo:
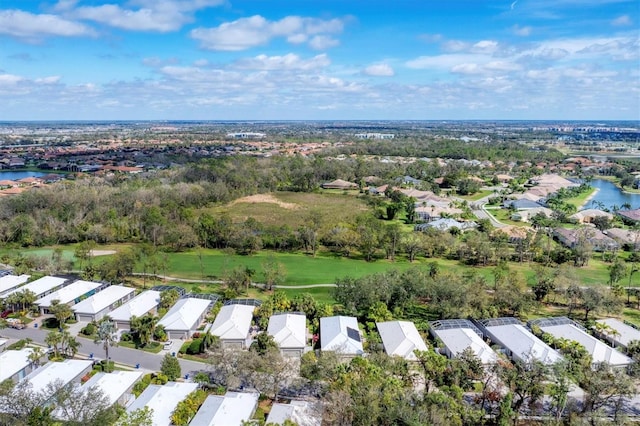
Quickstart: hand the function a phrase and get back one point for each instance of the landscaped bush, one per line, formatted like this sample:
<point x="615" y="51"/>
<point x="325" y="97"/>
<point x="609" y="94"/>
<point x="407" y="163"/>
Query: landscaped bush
<point x="105" y="366"/>
<point x="89" y="329"/>
<point x="20" y="344"/>
<point x="184" y="348"/>
<point x="159" y="379"/>
<point x="126" y="337"/>
<point x="195" y="347"/>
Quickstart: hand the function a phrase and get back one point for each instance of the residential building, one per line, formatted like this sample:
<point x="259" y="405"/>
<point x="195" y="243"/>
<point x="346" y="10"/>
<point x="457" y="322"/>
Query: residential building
<point x="457" y="335"/>
<point x="11" y="282"/>
<point x="15" y="364"/>
<point x="342" y="335"/>
<point x="518" y="342"/>
<point x="70" y="295"/>
<point x="302" y="413"/>
<point x="629" y="216"/>
<point x="596" y="238"/>
<point x="564" y="328"/>
<point x="115" y="386"/>
<point x="94" y="308"/>
<point x="340" y="184"/>
<point x="618" y="333"/>
<point x="184" y="318"/>
<point x="162" y="400"/>
<point x="401" y="338"/>
<point x="42" y="286"/>
<point x="232" y="325"/>
<point x="62" y="373"/>
<point x="145" y="303"/>
<point x="289" y="331"/>
<point x="231" y="409"/>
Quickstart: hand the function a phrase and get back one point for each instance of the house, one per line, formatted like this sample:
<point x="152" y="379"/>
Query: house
<point x="233" y="408"/>
<point x="162" y="400"/>
<point x="289" y="331"/>
<point x="94" y="308"/>
<point x="302" y="413"/>
<point x="527" y="215"/>
<point x="408" y="180"/>
<point x="115" y="386"/>
<point x="232" y="325"/>
<point x="144" y="303"/>
<point x="457" y="335"/>
<point x="42" y="286"/>
<point x="340" y="184"/>
<point x="342" y="335"/>
<point x="588" y="215"/>
<point x="185" y="317"/>
<point x="401" y="338"/>
<point x="503" y="178"/>
<point x="618" y="333"/>
<point x="518" y="342"/>
<point x="15" y="364"/>
<point x="63" y="373"/>
<point x="70" y="294"/>
<point x="629" y="216"/>
<point x="10" y="282"/>
<point x="521" y="204"/>
<point x="446" y="225"/>
<point x="564" y="328"/>
<point x="625" y="237"/>
<point x="596" y="238"/>
<point x="515" y="234"/>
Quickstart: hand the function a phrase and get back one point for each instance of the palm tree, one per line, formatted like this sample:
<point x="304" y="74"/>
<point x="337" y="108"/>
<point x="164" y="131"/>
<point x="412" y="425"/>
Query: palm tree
<point x="71" y="344"/>
<point x="61" y="311"/>
<point x="27" y="297"/>
<point x="35" y="355"/>
<point x="53" y="339"/>
<point x="626" y="206"/>
<point x="107" y="333"/>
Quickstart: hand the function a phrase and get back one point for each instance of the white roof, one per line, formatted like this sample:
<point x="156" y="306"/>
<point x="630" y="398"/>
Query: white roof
<point x="64" y="371"/>
<point x="138" y="306"/>
<point x="341" y="334"/>
<point x="115" y="384"/>
<point x="600" y="351"/>
<point x="102" y="300"/>
<point x="458" y="339"/>
<point x="185" y="314"/>
<point x="401" y="338"/>
<point x="41" y="285"/>
<point x="9" y="282"/>
<point x="14" y="361"/>
<point x="231" y="409"/>
<point x="68" y="293"/>
<point x="288" y="330"/>
<point x="299" y="412"/>
<point x="523" y="344"/>
<point x="233" y="322"/>
<point x="162" y="400"/>
<point x="626" y="332"/>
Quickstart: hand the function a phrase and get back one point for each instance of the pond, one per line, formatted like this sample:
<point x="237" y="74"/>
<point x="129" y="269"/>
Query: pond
<point x="20" y="174"/>
<point x="610" y="195"/>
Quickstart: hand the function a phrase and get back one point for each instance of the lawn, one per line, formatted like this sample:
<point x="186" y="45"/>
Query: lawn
<point x="504" y="216"/>
<point x="581" y="199"/>
<point x="292" y="208"/>
<point x="476" y="196"/>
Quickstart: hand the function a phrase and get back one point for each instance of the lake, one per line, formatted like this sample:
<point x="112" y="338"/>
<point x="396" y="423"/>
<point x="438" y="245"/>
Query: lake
<point x="20" y="174"/>
<point x="610" y="195"/>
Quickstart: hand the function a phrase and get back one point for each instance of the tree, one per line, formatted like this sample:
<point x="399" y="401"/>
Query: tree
<point x="34" y="357"/>
<point x="61" y="311"/>
<point x="140" y="417"/>
<point x="144" y="328"/>
<point x="107" y="334"/>
<point x="239" y="278"/>
<point x="274" y="272"/>
<point x="168" y="298"/>
<point x="525" y="381"/>
<point x="617" y="271"/>
<point x="605" y="388"/>
<point x="263" y="343"/>
<point x="170" y="367"/>
<point x="54" y="339"/>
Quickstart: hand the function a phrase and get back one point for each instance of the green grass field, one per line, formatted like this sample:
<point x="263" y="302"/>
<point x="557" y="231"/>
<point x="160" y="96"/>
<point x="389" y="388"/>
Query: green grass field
<point x="476" y="196"/>
<point x="292" y="208"/>
<point x="581" y="199"/>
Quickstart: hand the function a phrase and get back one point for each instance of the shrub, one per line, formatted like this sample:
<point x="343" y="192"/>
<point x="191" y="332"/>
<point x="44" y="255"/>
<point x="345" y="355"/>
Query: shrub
<point x="126" y="337"/>
<point x="17" y="345"/>
<point x="184" y="348"/>
<point x="195" y="347"/>
<point x="259" y="414"/>
<point x="159" y="379"/>
<point x="89" y="329"/>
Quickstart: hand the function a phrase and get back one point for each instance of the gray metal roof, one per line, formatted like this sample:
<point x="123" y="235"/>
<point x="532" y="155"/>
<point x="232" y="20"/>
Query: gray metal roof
<point x="248" y="302"/>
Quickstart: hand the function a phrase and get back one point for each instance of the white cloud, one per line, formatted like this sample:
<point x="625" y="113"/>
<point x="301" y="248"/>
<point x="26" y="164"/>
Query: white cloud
<point x="256" y="31"/>
<point x="622" y="21"/>
<point x="446" y="61"/>
<point x="521" y="31"/>
<point x="285" y="62"/>
<point x="31" y="27"/>
<point x="379" y="70"/>
<point x="10" y="79"/>
<point x="159" y="15"/>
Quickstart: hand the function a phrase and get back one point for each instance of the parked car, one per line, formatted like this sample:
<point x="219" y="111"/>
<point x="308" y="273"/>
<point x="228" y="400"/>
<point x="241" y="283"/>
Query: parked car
<point x="167" y="345"/>
<point x="6" y="313"/>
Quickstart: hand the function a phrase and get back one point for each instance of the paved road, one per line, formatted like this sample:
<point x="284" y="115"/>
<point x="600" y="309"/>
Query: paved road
<point x="260" y="285"/>
<point x="120" y="355"/>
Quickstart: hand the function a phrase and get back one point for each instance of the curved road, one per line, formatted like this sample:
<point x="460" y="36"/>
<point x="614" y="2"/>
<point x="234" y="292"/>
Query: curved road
<point x="195" y="281"/>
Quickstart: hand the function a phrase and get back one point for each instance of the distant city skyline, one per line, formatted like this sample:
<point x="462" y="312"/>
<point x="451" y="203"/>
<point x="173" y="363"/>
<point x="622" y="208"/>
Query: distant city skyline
<point x="320" y="60"/>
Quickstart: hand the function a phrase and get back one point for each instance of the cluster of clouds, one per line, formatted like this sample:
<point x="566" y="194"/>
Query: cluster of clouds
<point x="579" y="77"/>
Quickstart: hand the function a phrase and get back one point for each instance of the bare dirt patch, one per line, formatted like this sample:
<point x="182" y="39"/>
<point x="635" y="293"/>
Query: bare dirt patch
<point x="266" y="198"/>
<point x="95" y="253"/>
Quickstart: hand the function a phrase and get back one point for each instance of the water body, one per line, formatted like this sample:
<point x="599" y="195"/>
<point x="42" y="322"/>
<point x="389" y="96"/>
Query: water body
<point x="610" y="195"/>
<point x="20" y="174"/>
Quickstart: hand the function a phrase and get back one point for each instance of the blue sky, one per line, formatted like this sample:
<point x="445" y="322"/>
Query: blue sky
<point x="330" y="59"/>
